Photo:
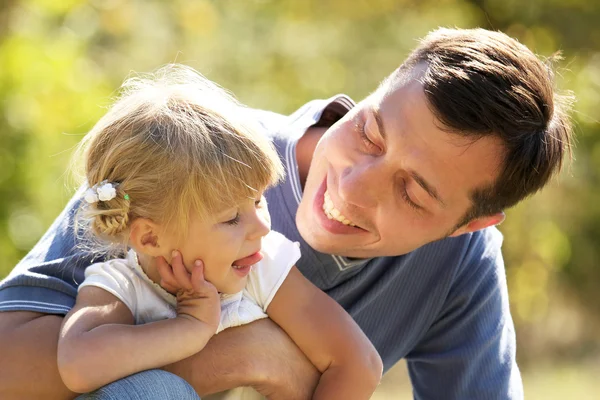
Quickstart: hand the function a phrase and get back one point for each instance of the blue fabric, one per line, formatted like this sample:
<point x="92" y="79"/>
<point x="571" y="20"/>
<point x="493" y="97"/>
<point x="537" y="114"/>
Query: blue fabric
<point x="443" y="307"/>
<point x="153" y="384"/>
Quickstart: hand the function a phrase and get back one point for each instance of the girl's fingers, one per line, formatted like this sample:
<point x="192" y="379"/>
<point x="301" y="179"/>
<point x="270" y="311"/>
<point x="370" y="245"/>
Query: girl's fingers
<point x="167" y="279"/>
<point x="181" y="275"/>
<point x="198" y="271"/>
<point x="169" y="288"/>
<point x="197" y="276"/>
<point x="198" y="282"/>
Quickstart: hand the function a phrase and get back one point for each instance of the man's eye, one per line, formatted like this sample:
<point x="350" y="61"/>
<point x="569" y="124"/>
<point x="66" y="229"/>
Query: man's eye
<point x="368" y="143"/>
<point x="408" y="201"/>
<point x="407" y="198"/>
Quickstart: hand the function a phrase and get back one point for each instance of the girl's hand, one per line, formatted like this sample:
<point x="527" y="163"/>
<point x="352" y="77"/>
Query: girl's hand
<point x="197" y="299"/>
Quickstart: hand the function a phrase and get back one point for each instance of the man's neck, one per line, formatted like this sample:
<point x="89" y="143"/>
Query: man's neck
<point x="305" y="150"/>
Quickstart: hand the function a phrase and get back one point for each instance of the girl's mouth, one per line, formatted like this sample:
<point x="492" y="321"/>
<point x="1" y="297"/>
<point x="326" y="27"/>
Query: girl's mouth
<point x="247" y="261"/>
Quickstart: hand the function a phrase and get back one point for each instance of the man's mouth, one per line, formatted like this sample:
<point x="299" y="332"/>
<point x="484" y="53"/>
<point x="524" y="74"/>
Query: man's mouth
<point x="333" y="213"/>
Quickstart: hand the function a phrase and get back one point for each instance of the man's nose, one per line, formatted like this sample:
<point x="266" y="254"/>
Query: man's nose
<point x="361" y="185"/>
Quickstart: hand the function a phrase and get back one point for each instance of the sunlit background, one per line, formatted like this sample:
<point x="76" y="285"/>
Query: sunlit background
<point x="62" y="60"/>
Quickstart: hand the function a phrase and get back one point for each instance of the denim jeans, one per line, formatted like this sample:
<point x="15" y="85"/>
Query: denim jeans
<point x="153" y="384"/>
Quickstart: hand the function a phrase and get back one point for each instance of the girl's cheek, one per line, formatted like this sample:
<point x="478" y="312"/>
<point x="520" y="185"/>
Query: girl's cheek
<point x="264" y="214"/>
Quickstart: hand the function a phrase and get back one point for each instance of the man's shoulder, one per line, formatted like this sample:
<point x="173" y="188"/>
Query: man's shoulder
<point x="275" y="124"/>
<point x="467" y="247"/>
<point x="477" y="256"/>
<point x="490" y="236"/>
<point x="472" y="326"/>
<point x="484" y="247"/>
<point x="453" y="259"/>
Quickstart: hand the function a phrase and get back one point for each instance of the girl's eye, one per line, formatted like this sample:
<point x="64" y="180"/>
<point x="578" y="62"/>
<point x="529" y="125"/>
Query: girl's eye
<point x="235" y="220"/>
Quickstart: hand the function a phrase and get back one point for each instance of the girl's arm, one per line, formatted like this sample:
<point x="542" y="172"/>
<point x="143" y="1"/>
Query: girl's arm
<point x="351" y="367"/>
<point x="99" y="344"/>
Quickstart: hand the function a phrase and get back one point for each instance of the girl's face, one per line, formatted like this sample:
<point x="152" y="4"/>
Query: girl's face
<point x="228" y="243"/>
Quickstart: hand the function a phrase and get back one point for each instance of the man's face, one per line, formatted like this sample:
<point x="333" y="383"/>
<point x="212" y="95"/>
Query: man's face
<point x="389" y="169"/>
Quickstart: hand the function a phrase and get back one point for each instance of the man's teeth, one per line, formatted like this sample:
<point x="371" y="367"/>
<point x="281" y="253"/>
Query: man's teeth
<point x="334" y="213"/>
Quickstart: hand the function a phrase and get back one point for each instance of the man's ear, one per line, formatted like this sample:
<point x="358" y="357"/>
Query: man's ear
<point x="145" y="237"/>
<point x="479" y="223"/>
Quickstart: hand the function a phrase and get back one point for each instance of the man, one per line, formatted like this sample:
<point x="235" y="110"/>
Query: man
<point x="394" y="201"/>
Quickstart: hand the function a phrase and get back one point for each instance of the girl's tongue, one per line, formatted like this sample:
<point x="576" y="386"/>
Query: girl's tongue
<point x="247" y="261"/>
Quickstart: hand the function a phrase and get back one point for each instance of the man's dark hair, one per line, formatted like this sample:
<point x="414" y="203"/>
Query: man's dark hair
<point x="480" y="83"/>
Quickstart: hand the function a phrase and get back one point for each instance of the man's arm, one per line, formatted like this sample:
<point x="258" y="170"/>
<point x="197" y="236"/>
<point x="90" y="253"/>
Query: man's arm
<point x="469" y="351"/>
<point x="28" y="353"/>
<point x="259" y="355"/>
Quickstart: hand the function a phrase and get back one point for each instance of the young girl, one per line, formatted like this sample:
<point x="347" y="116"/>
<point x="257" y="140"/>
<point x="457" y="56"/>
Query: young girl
<point x="175" y="174"/>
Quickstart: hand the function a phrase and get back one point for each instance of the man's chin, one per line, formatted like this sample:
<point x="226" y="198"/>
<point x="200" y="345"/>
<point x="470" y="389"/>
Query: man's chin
<point x="314" y="240"/>
<point x="327" y="246"/>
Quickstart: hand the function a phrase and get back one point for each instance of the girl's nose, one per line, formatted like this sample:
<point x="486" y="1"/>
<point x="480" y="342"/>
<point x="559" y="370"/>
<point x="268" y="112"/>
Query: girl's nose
<point x="261" y="224"/>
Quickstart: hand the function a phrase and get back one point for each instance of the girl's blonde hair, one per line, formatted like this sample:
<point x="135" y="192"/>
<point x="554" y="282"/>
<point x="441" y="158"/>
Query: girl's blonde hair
<point x="173" y="143"/>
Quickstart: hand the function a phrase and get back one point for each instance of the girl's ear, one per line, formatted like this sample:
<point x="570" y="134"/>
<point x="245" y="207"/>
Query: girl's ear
<point x="145" y="237"/>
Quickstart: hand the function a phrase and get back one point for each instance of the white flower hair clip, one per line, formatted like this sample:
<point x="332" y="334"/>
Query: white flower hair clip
<point x="103" y="191"/>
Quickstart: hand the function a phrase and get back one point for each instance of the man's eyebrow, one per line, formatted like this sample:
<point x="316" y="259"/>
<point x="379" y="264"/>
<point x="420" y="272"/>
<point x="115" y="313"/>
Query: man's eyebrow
<point x="427" y="187"/>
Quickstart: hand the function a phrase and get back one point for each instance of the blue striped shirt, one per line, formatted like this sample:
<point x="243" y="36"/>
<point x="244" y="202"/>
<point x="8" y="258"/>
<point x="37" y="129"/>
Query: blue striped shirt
<point x="443" y="307"/>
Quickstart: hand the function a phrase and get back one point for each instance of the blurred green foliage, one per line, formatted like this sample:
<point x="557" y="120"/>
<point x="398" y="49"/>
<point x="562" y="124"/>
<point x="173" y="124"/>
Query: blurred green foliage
<point x="61" y="61"/>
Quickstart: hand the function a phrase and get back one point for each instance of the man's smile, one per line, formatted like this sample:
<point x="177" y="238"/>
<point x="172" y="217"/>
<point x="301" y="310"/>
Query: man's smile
<point x="334" y="213"/>
<point x="331" y="218"/>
